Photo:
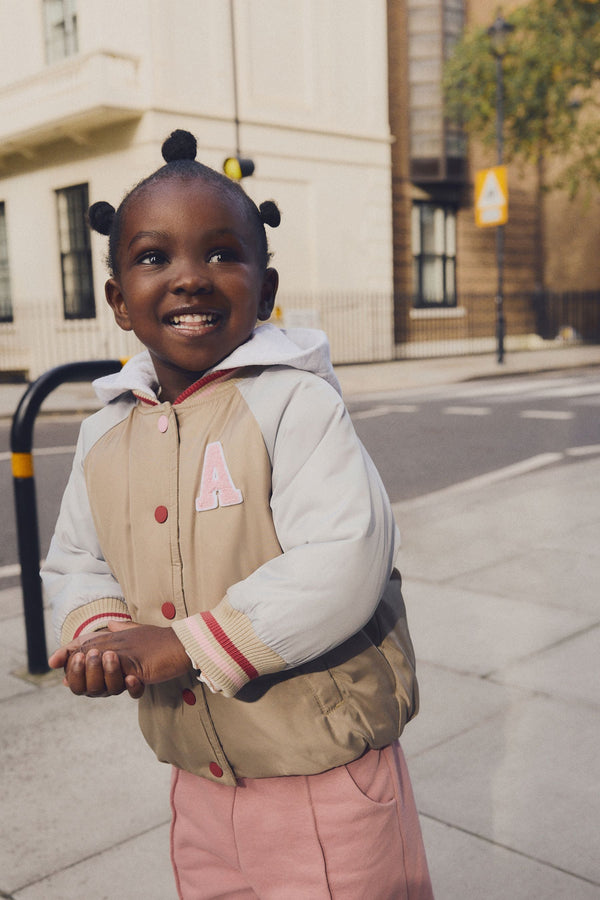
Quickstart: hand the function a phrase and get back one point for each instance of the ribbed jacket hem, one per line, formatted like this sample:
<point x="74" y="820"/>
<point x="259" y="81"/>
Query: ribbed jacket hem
<point x="92" y="617"/>
<point x="223" y="645"/>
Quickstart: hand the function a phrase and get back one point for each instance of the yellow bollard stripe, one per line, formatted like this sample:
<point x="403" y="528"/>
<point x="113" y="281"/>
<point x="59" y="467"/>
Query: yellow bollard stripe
<point x="22" y="465"/>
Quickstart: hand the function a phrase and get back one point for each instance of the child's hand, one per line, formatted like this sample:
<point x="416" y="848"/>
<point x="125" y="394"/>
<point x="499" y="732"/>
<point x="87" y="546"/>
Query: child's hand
<point x="127" y="652"/>
<point x="100" y="675"/>
<point x="94" y="674"/>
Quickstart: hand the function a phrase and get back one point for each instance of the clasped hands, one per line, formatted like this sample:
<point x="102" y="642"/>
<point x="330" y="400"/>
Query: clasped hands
<point x="125" y="657"/>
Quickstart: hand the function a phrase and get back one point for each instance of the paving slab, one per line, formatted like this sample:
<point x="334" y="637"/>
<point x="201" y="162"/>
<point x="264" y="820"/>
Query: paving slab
<point x="556" y="576"/>
<point x="440" y="542"/>
<point x="76" y="776"/>
<point x="11" y="603"/>
<point x="473" y="632"/>
<point x="526" y="779"/>
<point x="508" y="784"/>
<point x="78" y="782"/>
<point x="553" y="507"/>
<point x="12" y="646"/>
<point x="108" y="874"/>
<point x="451" y="703"/>
<point x="547" y="506"/>
<point x="464" y="866"/>
<point x="569" y="670"/>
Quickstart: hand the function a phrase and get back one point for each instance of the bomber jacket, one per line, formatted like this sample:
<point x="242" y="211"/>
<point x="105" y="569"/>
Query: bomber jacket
<point x="247" y="516"/>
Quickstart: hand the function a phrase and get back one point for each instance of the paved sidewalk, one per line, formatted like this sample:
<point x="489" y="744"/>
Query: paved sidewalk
<point x="502" y="590"/>
<point x="364" y="379"/>
<point x="421" y="373"/>
<point x="501" y="585"/>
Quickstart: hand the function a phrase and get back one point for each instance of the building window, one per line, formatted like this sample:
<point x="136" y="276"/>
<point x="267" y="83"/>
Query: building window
<point x="6" y="312"/>
<point x="75" y="253"/>
<point x="437" y="147"/>
<point x="434" y="254"/>
<point x="60" y="29"/>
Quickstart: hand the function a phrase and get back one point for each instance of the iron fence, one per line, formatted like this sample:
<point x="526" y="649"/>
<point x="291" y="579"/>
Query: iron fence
<point x="568" y="316"/>
<point x="38" y="338"/>
<point x="372" y="327"/>
<point x="379" y="327"/>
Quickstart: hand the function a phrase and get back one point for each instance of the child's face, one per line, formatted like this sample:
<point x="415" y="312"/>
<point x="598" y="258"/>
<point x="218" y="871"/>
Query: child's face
<point x="190" y="284"/>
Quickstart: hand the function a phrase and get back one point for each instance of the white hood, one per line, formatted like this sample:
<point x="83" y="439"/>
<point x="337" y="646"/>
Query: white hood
<point x="299" y="348"/>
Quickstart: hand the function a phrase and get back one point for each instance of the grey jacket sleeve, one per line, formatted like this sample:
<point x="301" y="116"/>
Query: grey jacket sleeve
<point x="77" y="581"/>
<point x="333" y="520"/>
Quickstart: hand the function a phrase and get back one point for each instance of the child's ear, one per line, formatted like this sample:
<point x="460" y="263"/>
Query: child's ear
<point x="268" y="294"/>
<point x="116" y="301"/>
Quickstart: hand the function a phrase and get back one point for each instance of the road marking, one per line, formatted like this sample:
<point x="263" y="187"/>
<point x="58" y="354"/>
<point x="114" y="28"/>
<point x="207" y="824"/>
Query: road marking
<point x="506" y="389"/>
<point x="575" y="390"/>
<point x="589" y="401"/>
<point x="556" y="414"/>
<point x="54" y="451"/>
<point x="519" y="468"/>
<point x="467" y="410"/>
<point x="384" y="410"/>
<point x="10" y="571"/>
<point x="43" y="451"/>
<point x="586" y="450"/>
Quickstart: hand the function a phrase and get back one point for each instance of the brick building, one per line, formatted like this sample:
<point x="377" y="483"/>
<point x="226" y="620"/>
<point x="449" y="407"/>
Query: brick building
<point x="444" y="265"/>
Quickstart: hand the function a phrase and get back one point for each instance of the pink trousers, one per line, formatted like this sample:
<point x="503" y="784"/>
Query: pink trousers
<point x="350" y="833"/>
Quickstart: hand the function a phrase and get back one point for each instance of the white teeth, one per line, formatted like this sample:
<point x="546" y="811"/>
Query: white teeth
<point x="194" y="319"/>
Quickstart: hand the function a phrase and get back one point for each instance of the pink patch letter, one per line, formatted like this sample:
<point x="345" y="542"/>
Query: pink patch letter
<point x="216" y="485"/>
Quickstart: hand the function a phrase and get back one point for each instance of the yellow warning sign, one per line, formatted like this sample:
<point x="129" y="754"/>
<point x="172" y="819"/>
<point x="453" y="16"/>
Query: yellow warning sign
<point x="491" y="197"/>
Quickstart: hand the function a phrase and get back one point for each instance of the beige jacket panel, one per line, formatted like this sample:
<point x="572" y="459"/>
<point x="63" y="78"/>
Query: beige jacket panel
<point x="173" y="560"/>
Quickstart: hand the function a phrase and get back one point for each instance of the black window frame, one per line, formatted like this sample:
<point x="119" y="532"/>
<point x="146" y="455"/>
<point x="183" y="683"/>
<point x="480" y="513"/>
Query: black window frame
<point x="60" y="31"/>
<point x="6" y="307"/>
<point x="444" y="256"/>
<point x="75" y="252"/>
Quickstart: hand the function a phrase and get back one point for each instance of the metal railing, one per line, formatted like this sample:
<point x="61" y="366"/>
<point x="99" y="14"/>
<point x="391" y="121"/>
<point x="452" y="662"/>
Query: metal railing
<point x="28" y="541"/>
<point x="571" y="315"/>
<point x="373" y="327"/>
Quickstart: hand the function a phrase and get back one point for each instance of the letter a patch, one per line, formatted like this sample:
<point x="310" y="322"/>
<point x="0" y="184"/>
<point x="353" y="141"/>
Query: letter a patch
<point x="216" y="484"/>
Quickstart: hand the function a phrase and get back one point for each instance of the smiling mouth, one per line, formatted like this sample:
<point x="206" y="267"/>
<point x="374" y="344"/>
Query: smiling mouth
<point x="195" y="323"/>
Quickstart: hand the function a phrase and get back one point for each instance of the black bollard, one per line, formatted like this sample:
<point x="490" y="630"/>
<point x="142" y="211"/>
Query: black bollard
<point x="28" y="541"/>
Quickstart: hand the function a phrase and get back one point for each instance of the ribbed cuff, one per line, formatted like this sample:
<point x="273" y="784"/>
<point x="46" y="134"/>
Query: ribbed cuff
<point x="224" y="646"/>
<point x="93" y="616"/>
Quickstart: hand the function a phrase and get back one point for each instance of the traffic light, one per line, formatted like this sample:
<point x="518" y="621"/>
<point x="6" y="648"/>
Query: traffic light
<point x="236" y="168"/>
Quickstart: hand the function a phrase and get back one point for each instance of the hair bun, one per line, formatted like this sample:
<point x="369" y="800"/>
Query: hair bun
<point x="269" y="213"/>
<point x="179" y="145"/>
<point x="101" y="216"/>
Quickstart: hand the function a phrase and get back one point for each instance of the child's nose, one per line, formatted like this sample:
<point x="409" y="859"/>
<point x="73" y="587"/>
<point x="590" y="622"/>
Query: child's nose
<point x="190" y="278"/>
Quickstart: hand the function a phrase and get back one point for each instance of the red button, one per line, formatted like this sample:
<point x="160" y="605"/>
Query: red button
<point x="188" y="697"/>
<point x="161" y="514"/>
<point x="216" y="770"/>
<point x="163" y="424"/>
<point x="168" y="610"/>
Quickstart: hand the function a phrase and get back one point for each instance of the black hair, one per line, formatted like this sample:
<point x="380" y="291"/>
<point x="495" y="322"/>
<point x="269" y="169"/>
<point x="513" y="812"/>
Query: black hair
<point x="179" y="153"/>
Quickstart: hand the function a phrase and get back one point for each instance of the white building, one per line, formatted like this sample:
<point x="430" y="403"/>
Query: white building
<point x="89" y="89"/>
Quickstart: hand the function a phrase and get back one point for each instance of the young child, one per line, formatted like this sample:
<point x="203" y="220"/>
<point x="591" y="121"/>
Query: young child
<point x="224" y="552"/>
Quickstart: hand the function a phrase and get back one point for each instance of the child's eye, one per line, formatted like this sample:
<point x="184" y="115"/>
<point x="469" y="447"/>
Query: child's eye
<point x="222" y="256"/>
<point x="151" y="258"/>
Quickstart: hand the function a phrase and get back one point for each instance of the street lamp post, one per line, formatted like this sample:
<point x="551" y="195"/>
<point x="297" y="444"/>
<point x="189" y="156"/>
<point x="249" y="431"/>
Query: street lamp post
<point x="498" y="33"/>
